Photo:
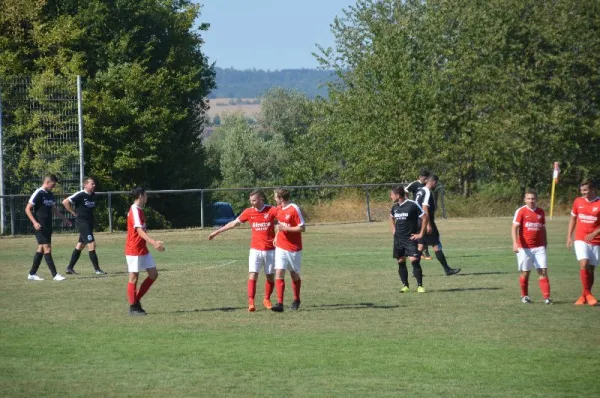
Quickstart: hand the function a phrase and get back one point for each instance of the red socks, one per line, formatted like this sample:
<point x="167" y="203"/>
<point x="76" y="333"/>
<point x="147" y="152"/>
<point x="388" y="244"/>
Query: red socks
<point x="144" y="288"/>
<point x="585" y="281"/>
<point x="280" y="285"/>
<point x="131" y="293"/>
<point x="545" y="287"/>
<point x="524" y="282"/>
<point x="269" y="286"/>
<point x="296" y="287"/>
<point x="251" y="288"/>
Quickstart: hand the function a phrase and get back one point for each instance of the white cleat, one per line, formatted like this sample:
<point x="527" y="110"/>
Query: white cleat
<point x="548" y="301"/>
<point x="59" y="277"/>
<point x="34" y="278"/>
<point x="525" y="300"/>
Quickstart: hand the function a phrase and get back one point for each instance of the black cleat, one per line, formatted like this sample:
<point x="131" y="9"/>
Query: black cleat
<point x="139" y="307"/>
<point x="277" y="307"/>
<point x="134" y="310"/>
<point x="452" y="271"/>
<point x="295" y="305"/>
<point x="70" y="271"/>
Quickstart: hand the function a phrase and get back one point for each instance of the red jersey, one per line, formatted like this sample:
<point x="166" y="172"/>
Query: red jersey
<point x="588" y="218"/>
<point x="263" y="227"/>
<point x="290" y="216"/>
<point x="135" y="244"/>
<point x="532" y="224"/>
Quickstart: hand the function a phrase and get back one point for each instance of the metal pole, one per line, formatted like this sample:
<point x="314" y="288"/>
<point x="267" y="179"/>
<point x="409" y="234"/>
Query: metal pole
<point x="80" y="120"/>
<point x="368" y="205"/>
<point x="443" y="192"/>
<point x="202" y="209"/>
<point x="1" y="170"/>
<point x="12" y="216"/>
<point x="110" y="227"/>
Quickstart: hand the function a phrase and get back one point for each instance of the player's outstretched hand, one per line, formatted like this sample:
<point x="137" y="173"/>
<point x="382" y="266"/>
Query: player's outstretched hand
<point x="416" y="236"/>
<point x="569" y="242"/>
<point x="516" y="248"/>
<point x="158" y="245"/>
<point x="212" y="235"/>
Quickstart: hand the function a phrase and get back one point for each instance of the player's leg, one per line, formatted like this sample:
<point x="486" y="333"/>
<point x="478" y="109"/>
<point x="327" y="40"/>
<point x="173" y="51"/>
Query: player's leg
<point x="255" y="261"/>
<point x="150" y="266"/>
<point x="270" y="277"/>
<point x="585" y="253"/>
<point x="425" y="252"/>
<point x="75" y="256"/>
<point x="414" y="256"/>
<point x="50" y="261"/>
<point x="133" y="267"/>
<point x="541" y="265"/>
<point x="295" y="262"/>
<point x="91" y="244"/>
<point x="399" y="255"/>
<point x="433" y="239"/>
<point x="524" y="264"/>
<point x="281" y="263"/>
<point x="37" y="260"/>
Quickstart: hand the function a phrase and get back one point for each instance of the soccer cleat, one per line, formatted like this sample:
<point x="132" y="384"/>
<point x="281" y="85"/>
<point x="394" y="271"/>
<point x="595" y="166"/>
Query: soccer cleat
<point x="548" y="301"/>
<point x="426" y="257"/>
<point x="277" y="307"/>
<point x="525" y="300"/>
<point x="59" y="277"/>
<point x="420" y="289"/>
<point x="580" y="301"/>
<point x="100" y="272"/>
<point x="139" y="307"/>
<point x="251" y="307"/>
<point x="295" y="305"/>
<point x="70" y="271"/>
<point x="591" y="300"/>
<point x="405" y="289"/>
<point x="34" y="278"/>
<point x="452" y="271"/>
<point x="136" y="310"/>
<point x="267" y="304"/>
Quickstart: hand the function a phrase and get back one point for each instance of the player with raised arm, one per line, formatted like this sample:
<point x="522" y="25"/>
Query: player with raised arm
<point x="136" y="252"/>
<point x="288" y="247"/>
<point x="413" y="188"/>
<point x="404" y="220"/>
<point x="81" y="205"/>
<point x="426" y="200"/>
<point x="529" y="242"/>
<point x="39" y="210"/>
<point x="585" y="222"/>
<point x="262" y="250"/>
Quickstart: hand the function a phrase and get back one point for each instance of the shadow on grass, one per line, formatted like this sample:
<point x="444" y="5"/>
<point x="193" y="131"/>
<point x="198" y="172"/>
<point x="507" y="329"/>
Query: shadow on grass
<point x="222" y="309"/>
<point x="466" y="289"/>
<point x="112" y="274"/>
<point x="482" y="273"/>
<point x="354" y="306"/>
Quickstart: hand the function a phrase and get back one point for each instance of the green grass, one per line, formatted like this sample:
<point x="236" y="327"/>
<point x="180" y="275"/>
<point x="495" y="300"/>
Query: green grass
<point x="354" y="335"/>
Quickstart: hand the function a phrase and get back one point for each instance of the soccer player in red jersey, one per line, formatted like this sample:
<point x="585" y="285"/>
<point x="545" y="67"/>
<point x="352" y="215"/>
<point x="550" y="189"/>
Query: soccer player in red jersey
<point x="262" y="250"/>
<point x="585" y="221"/>
<point x="136" y="252"/>
<point x="288" y="247"/>
<point x="529" y="242"/>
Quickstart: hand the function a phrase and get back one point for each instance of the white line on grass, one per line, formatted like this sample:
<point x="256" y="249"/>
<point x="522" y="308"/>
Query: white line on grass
<point x="219" y="266"/>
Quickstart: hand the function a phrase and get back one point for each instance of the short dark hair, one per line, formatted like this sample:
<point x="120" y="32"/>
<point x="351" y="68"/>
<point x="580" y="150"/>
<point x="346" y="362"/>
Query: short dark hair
<point x="51" y="177"/>
<point x="137" y="192"/>
<point x="283" y="193"/>
<point x="398" y="190"/>
<point x="531" y="191"/>
<point x="433" y="177"/>
<point x="259" y="192"/>
<point x="589" y="182"/>
<point x="424" y="172"/>
<point x="87" y="179"/>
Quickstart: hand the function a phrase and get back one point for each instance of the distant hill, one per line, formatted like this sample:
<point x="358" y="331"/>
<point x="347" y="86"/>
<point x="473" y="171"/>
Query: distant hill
<point x="251" y="83"/>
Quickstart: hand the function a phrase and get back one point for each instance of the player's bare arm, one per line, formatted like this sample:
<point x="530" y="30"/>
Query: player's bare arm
<point x="36" y="225"/>
<point x="426" y="210"/>
<point x="590" y="237"/>
<point x="572" y="223"/>
<point x="67" y="204"/>
<point x="393" y="224"/>
<point x="226" y="227"/>
<point x="57" y="213"/>
<point x="285" y="228"/>
<point x="424" y="223"/>
<point x="158" y="245"/>
<point x="515" y="234"/>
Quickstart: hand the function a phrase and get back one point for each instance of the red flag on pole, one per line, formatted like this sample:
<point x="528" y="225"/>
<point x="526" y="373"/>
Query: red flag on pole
<point x="556" y="172"/>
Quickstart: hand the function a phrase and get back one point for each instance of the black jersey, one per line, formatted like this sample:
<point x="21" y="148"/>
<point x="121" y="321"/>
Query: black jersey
<point x="414" y="187"/>
<point x="42" y="202"/>
<point x="84" y="204"/>
<point x="406" y="216"/>
<point x="425" y="198"/>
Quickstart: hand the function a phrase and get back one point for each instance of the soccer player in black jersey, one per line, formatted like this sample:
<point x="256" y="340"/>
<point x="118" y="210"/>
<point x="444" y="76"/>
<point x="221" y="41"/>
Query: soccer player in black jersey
<point x="81" y="205"/>
<point x="413" y="188"/>
<point x="426" y="200"/>
<point x="404" y="219"/>
<point x="39" y="210"/>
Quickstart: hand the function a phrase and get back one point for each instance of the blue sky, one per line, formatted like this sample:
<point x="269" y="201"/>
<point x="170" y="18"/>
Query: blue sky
<point x="268" y="34"/>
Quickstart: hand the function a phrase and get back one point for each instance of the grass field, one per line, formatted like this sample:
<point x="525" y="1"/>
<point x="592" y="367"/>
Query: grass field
<point x="355" y="335"/>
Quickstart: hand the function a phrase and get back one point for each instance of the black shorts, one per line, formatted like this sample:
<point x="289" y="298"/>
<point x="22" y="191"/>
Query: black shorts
<point x="404" y="247"/>
<point x="433" y="238"/>
<point x="44" y="236"/>
<point x="86" y="232"/>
